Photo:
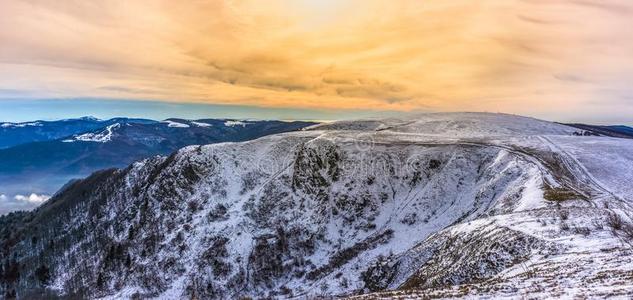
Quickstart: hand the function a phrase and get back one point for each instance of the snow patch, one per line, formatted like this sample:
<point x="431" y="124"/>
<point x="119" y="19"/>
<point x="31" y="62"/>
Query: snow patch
<point x="235" y="123"/>
<point x="175" y="124"/>
<point x="200" y="124"/>
<point x="20" y="125"/>
<point x="532" y="197"/>
<point x="100" y="137"/>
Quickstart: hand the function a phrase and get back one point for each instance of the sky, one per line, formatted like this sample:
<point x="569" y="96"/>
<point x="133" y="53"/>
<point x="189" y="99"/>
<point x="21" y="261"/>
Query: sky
<point x="564" y="60"/>
<point x="24" y="110"/>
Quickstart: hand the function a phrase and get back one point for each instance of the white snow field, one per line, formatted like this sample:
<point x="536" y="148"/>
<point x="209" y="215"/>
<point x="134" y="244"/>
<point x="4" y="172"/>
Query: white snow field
<point x="455" y="205"/>
<point x="175" y="124"/>
<point x="99" y="137"/>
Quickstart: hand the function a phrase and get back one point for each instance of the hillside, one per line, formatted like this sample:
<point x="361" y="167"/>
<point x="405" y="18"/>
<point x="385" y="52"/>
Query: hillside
<point x="445" y="205"/>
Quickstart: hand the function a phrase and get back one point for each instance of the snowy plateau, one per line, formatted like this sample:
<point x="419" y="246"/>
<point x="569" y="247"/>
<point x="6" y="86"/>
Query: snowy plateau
<point x="449" y="205"/>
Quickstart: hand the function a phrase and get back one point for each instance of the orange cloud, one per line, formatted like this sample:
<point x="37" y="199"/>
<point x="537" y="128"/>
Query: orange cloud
<point x="528" y="56"/>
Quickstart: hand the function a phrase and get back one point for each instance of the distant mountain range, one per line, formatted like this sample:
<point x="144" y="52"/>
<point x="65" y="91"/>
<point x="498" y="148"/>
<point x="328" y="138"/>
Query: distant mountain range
<point x="39" y="157"/>
<point x="619" y="131"/>
<point x="12" y="134"/>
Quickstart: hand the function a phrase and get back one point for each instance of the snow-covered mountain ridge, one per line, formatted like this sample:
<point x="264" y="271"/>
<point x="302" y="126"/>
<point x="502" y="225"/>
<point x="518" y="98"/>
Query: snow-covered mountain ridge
<point x="499" y="206"/>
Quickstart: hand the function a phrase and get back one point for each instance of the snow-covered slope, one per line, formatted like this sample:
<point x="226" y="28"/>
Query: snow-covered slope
<point x="503" y="206"/>
<point x="457" y="125"/>
<point x="103" y="136"/>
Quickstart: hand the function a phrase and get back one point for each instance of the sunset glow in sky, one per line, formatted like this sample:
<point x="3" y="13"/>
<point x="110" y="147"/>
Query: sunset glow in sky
<point x="554" y="59"/>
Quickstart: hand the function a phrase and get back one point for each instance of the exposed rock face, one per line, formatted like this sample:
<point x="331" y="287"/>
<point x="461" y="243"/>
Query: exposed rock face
<point x="305" y="214"/>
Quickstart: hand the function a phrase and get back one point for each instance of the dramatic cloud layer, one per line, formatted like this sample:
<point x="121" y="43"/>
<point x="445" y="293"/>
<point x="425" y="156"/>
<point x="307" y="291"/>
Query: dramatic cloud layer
<point x="548" y="58"/>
